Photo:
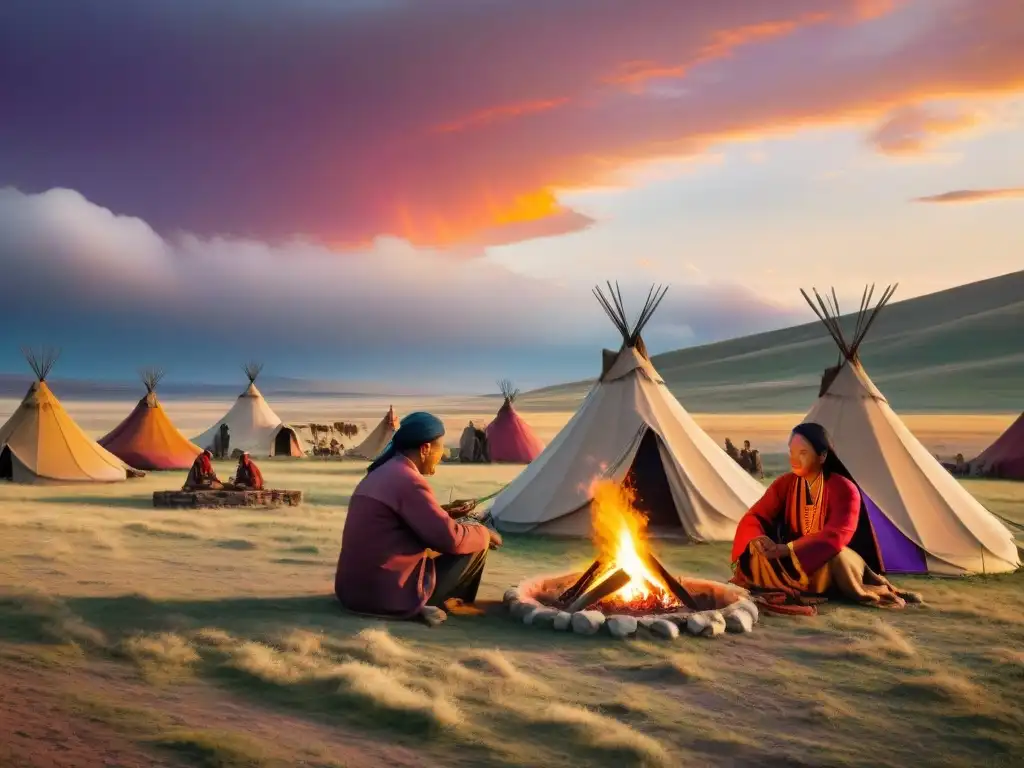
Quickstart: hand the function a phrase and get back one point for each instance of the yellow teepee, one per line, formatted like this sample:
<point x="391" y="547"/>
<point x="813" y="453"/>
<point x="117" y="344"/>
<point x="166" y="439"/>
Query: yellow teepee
<point x="41" y="443"/>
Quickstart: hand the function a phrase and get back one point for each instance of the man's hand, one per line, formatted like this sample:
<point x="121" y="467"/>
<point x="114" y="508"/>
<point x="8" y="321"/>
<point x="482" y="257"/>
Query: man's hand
<point x="459" y="507"/>
<point x="496" y="540"/>
<point x="761" y="543"/>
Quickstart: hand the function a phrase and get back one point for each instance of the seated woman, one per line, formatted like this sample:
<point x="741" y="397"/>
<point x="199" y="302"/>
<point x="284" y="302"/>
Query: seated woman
<point x="799" y="539"/>
<point x="402" y="554"/>
<point x="201" y="476"/>
<point x="248" y="476"/>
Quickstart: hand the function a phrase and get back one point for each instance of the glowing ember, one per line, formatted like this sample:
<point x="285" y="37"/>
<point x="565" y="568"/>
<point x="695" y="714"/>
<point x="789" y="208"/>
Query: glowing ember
<point x="620" y="536"/>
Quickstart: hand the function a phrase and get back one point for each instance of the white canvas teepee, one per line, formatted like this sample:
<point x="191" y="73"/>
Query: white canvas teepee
<point x="42" y="444"/>
<point x="253" y="426"/>
<point x="630" y="426"/>
<point x="377" y="440"/>
<point x="923" y="520"/>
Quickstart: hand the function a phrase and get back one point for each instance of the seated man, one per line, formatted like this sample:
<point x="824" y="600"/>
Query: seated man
<point x="248" y="476"/>
<point x="798" y="539"/>
<point x="201" y="476"/>
<point x="402" y="554"/>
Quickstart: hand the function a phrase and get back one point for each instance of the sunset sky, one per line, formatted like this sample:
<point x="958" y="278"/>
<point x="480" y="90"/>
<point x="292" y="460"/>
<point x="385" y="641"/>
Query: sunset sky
<point x="426" y="190"/>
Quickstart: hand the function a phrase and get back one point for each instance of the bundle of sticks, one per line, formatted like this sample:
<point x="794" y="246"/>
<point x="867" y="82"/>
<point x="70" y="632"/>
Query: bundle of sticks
<point x="589" y="590"/>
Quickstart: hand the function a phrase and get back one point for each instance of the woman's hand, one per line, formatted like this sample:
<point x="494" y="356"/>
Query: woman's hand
<point x="459" y="508"/>
<point x="761" y="543"/>
<point x="776" y="551"/>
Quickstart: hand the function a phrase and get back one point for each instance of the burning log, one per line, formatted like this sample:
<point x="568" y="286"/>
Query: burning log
<point x="581" y="584"/>
<point x="677" y="589"/>
<point x="600" y="591"/>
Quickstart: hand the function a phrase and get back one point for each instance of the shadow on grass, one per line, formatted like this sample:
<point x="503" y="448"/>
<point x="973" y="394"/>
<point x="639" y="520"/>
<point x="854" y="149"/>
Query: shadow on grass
<point x="120" y="502"/>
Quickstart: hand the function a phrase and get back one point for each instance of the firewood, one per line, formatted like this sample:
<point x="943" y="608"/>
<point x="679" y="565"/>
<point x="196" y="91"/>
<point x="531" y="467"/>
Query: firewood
<point x="600" y="591"/>
<point x="677" y="589"/>
<point x="581" y="584"/>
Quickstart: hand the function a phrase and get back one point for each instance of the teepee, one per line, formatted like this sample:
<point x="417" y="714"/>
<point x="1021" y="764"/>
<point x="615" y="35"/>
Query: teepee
<point x="922" y="519"/>
<point x="147" y="438"/>
<point x="42" y="444"/>
<point x="1005" y="457"/>
<point x="509" y="437"/>
<point x="252" y="425"/>
<point x="377" y="440"/>
<point x="630" y="429"/>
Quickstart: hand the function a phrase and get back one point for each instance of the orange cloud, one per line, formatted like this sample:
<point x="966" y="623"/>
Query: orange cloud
<point x="912" y="129"/>
<point x="973" y="195"/>
<point x="722" y="43"/>
<point x="502" y="112"/>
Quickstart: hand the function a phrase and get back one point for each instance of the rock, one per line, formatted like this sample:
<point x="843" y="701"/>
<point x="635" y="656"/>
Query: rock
<point x="587" y="622"/>
<point x="715" y="626"/>
<point x="664" y="628"/>
<point x="697" y="623"/>
<point x="621" y="626"/>
<point x="541" y="617"/>
<point x="739" y="621"/>
<point x="519" y="608"/>
<point x="510" y="595"/>
<point x="646" y="621"/>
<point x="679" y="618"/>
<point x="562" y="621"/>
<point x="744" y="606"/>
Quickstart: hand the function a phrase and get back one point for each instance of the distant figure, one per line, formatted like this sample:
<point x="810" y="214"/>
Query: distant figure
<point x="750" y="460"/>
<point x="471" y="447"/>
<point x="201" y="476"/>
<point x="248" y="476"/>
<point x="730" y="449"/>
<point x="225" y="441"/>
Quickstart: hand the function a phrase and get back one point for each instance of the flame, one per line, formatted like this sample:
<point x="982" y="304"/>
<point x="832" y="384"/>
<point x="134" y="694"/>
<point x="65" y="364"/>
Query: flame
<point x="620" y="536"/>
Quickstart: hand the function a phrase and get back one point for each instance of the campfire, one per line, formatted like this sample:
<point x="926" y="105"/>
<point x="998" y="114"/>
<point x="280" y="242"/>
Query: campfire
<point x="626" y="577"/>
<point x="626" y="586"/>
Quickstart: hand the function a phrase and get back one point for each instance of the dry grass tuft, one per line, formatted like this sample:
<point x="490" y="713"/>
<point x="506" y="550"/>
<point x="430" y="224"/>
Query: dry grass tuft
<point x="494" y="662"/>
<point x="941" y="687"/>
<point x="675" y="668"/>
<point x="214" y="638"/>
<point x="302" y="642"/>
<point x="164" y="648"/>
<point x="387" y="689"/>
<point x="381" y="648"/>
<point x="271" y="665"/>
<point x="604" y="732"/>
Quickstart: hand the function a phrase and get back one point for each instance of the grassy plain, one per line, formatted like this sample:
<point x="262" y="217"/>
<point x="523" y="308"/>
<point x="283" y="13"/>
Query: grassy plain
<point x="136" y="636"/>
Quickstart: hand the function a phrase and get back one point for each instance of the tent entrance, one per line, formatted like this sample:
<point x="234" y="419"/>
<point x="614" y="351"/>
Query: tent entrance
<point x="6" y="464"/>
<point x="283" y="442"/>
<point x="647" y="477"/>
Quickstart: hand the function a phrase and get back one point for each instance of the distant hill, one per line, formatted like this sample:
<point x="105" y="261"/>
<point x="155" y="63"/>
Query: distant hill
<point x="960" y="350"/>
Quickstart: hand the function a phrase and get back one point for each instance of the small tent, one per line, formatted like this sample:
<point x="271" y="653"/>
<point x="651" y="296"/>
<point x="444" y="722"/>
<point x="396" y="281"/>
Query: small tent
<point x="42" y="444"/>
<point x="921" y="519"/>
<point x="147" y="438"/>
<point x="630" y="429"/>
<point x="509" y="437"/>
<point x="252" y="425"/>
<point x="1005" y="457"/>
<point x="377" y="440"/>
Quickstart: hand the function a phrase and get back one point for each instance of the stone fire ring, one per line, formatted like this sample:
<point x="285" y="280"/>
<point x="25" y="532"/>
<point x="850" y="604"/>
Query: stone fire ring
<point x="531" y="603"/>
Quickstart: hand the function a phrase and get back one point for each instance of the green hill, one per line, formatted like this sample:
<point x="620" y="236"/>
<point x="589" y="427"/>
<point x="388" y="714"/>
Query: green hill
<point x="960" y="350"/>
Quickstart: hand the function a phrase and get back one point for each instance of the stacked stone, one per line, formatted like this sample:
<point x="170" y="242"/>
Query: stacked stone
<point x="216" y="499"/>
<point x="739" y="617"/>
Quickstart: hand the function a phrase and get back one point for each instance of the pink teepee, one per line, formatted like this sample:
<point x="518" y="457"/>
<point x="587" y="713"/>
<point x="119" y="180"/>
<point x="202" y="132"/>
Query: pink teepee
<point x="509" y="438"/>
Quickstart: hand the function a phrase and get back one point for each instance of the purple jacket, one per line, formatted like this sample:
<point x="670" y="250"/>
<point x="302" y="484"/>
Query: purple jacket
<point x="393" y="519"/>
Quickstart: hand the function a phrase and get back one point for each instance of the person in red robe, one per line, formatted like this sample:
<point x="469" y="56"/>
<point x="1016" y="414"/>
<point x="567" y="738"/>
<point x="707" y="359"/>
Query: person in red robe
<point x="800" y="541"/>
<point x="201" y="475"/>
<point x="402" y="554"/>
<point x="248" y="475"/>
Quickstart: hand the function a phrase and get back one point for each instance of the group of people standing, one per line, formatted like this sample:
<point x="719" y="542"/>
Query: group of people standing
<point x="748" y="458"/>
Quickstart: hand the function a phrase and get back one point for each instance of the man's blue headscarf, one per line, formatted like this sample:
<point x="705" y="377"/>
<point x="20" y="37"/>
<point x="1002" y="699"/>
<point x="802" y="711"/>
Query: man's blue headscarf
<point x="413" y="431"/>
